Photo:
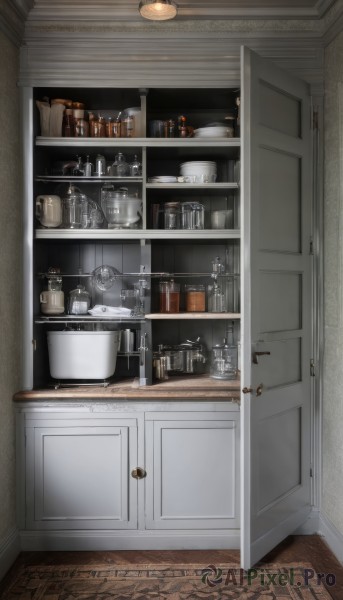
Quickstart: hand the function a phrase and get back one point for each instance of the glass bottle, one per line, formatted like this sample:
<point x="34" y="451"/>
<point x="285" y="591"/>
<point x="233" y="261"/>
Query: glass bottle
<point x="120" y="168"/>
<point x="78" y="170"/>
<point x="88" y="168"/>
<point x="135" y="167"/>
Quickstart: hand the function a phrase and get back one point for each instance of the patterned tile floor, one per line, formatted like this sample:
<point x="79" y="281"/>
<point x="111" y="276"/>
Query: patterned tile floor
<point x="169" y="582"/>
<point x="136" y="575"/>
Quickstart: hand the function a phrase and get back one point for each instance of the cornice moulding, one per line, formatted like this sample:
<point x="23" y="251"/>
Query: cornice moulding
<point x="216" y="9"/>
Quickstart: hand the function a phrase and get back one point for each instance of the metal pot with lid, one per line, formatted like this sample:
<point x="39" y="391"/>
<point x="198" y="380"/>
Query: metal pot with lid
<point x="194" y="356"/>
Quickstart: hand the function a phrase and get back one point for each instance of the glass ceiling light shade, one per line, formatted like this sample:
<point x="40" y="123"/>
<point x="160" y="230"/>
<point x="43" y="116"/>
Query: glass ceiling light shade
<point x="158" y="10"/>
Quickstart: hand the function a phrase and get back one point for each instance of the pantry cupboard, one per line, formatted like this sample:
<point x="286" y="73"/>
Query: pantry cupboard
<point x="185" y="449"/>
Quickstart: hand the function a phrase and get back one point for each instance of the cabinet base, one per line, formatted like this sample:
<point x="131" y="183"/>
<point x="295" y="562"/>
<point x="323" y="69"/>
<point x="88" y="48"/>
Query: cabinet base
<point x="130" y="540"/>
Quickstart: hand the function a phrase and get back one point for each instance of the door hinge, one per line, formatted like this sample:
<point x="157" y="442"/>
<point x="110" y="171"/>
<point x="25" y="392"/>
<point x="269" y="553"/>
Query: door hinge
<point x="312" y="368"/>
<point x="34" y="345"/>
<point x="311" y="246"/>
<point x="311" y="472"/>
<point x="315" y="120"/>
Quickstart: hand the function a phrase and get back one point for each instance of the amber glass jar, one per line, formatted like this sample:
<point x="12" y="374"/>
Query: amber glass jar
<point x="195" y="298"/>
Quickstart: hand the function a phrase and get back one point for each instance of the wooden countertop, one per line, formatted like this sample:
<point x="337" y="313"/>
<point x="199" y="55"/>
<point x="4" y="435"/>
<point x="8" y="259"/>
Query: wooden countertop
<point x="196" y="387"/>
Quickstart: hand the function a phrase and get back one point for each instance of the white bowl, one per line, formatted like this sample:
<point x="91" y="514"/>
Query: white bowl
<point x="200" y="171"/>
<point x="212" y="132"/>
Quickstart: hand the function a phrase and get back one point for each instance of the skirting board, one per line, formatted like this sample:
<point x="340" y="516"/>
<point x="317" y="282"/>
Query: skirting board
<point x="130" y="540"/>
<point x="332" y="536"/>
<point x="9" y="550"/>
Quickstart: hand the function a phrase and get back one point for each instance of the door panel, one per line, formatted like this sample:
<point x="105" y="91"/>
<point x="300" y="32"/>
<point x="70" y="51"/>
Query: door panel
<point x="276" y="311"/>
<point x="280" y="201"/>
<point x="193" y="468"/>
<point x="275" y="102"/>
<point x="81" y="476"/>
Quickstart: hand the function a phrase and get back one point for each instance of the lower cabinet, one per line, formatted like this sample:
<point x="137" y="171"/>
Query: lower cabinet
<point x="77" y="472"/>
<point x="192" y="460"/>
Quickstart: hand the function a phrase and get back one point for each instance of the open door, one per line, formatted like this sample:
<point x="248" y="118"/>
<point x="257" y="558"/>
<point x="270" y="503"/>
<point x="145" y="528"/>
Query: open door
<point x="276" y="306"/>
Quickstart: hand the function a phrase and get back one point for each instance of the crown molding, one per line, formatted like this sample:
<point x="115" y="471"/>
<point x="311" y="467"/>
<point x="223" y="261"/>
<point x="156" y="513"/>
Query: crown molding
<point x="127" y="10"/>
<point x="13" y="14"/>
<point x="188" y="60"/>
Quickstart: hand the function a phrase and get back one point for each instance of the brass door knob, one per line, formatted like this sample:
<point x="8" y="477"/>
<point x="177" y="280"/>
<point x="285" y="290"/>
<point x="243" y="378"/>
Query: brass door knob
<point x="138" y="473"/>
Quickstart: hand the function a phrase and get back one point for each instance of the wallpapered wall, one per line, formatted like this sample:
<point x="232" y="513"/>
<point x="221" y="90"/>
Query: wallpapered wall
<point x="332" y="488"/>
<point x="10" y="274"/>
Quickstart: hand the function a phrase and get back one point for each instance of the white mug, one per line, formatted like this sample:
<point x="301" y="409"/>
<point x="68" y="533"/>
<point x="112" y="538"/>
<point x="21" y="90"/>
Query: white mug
<point x="49" y="210"/>
<point x="52" y="302"/>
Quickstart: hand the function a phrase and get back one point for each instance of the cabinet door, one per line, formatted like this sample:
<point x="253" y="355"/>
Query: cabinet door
<point x="78" y="476"/>
<point x="276" y="313"/>
<point x="192" y="471"/>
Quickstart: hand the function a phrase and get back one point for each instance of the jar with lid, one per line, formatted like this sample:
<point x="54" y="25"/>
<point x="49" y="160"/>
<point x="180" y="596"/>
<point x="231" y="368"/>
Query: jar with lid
<point x="79" y="301"/>
<point x="224" y="359"/>
<point x="215" y="298"/>
<point x="197" y="215"/>
<point x="169" y="296"/>
<point x="81" y="124"/>
<point x="100" y="165"/>
<point x="68" y="123"/>
<point x="195" y="298"/>
<point x="52" y="299"/>
<point x="113" y="128"/>
<point x="120" y="168"/>
<point x="97" y="127"/>
<point x="186" y="215"/>
<point x="127" y="126"/>
<point x="230" y="125"/>
<point x="171" y="215"/>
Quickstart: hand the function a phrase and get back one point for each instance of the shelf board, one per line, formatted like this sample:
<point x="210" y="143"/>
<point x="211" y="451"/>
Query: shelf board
<point x="191" y="316"/>
<point x="138" y="142"/>
<point x="136" y="234"/>
<point x="193" y="186"/>
<point x="94" y="179"/>
<point x="43" y="320"/>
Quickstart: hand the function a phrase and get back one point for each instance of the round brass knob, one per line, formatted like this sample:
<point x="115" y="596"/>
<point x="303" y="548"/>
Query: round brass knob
<point x="138" y="473"/>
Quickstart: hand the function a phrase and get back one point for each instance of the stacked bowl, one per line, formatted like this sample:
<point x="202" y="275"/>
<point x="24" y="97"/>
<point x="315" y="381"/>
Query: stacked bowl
<point x="199" y="171"/>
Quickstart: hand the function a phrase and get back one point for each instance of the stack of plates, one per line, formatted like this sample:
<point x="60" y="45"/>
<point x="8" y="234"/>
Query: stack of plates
<point x="215" y="131"/>
<point x="162" y="179"/>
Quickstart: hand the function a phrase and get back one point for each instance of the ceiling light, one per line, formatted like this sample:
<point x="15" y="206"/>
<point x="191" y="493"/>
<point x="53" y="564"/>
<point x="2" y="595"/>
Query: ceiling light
<point x="158" y="10"/>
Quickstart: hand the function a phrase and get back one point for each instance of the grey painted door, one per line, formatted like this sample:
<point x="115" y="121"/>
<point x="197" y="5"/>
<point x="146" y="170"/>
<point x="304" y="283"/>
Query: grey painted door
<point x="81" y="474"/>
<point x="276" y="315"/>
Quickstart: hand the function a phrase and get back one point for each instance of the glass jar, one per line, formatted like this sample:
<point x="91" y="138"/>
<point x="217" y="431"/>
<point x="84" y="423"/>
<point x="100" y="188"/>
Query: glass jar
<point x="68" y="123"/>
<point x="224" y="359"/>
<point x="195" y="298"/>
<point x="197" y="215"/>
<point x="79" y="301"/>
<point x="171" y="215"/>
<point x="128" y="126"/>
<point x="186" y="215"/>
<point x="169" y="297"/>
<point x="120" y="168"/>
<point x="97" y="127"/>
<point x="100" y="165"/>
<point x="215" y="298"/>
<point x="113" y="128"/>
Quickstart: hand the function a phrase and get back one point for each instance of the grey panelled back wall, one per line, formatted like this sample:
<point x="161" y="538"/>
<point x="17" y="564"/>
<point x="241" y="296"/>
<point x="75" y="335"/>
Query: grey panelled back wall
<point x="10" y="275"/>
<point x="332" y="493"/>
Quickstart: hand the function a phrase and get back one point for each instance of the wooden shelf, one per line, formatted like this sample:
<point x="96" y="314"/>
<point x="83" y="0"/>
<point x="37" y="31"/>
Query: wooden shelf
<point x="192" y="315"/>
